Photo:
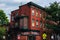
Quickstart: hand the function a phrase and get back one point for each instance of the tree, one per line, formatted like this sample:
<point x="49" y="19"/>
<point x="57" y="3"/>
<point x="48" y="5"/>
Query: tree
<point x="2" y="32"/>
<point x="3" y="18"/>
<point x="54" y="11"/>
<point x="3" y="21"/>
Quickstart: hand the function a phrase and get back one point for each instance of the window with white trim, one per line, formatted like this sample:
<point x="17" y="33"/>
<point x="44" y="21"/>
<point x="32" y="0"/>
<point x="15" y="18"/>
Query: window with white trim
<point x="25" y="23"/>
<point x="41" y="24"/>
<point x="32" y="12"/>
<point x="16" y="24"/>
<point x="36" y="23"/>
<point x="37" y="14"/>
<point x="40" y="15"/>
<point x="12" y="18"/>
<point x="16" y="14"/>
<point x="33" y="22"/>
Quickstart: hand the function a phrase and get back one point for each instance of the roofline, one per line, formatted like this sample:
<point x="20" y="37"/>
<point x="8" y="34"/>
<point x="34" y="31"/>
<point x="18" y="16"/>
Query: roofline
<point x="33" y="4"/>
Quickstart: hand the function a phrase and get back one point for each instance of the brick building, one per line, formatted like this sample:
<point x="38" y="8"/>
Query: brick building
<point x="27" y="22"/>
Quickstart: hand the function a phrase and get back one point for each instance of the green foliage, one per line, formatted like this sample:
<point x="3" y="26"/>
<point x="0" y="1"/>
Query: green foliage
<point x="3" y="18"/>
<point x="2" y="32"/>
<point x="54" y="11"/>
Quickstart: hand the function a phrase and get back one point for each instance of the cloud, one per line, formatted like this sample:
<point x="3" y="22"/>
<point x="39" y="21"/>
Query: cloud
<point x="2" y="5"/>
<point x="10" y="5"/>
<point x="18" y="1"/>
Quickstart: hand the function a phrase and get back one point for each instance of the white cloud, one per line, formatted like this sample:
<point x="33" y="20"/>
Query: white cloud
<point x="18" y="1"/>
<point x="2" y="5"/>
<point x="9" y="5"/>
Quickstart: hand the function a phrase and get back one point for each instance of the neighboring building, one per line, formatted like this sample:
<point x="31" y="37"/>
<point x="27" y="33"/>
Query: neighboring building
<point x="27" y="22"/>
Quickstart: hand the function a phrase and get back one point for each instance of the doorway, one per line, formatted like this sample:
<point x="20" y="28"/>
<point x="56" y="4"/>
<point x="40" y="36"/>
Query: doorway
<point x="31" y="38"/>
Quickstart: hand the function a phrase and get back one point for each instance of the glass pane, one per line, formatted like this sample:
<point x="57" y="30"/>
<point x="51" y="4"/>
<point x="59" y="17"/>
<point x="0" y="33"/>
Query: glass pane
<point x="36" y="23"/>
<point x="36" y="14"/>
<point x="12" y="18"/>
<point x="41" y="24"/>
<point x="40" y="15"/>
<point x="21" y="23"/>
<point x="32" y="12"/>
<point x="33" y="22"/>
<point x="25" y="23"/>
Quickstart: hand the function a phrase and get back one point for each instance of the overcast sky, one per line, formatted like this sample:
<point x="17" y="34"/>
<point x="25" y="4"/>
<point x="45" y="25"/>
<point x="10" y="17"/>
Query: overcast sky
<point x="10" y="5"/>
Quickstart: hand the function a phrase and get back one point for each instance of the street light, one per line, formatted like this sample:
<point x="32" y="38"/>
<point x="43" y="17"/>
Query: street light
<point x="52" y="37"/>
<point x="4" y="37"/>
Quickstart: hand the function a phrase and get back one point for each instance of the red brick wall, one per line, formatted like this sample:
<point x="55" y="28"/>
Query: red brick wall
<point x="38" y="37"/>
<point x="23" y="37"/>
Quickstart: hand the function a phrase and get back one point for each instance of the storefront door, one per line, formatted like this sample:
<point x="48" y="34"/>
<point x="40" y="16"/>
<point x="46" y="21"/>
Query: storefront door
<point x="31" y="38"/>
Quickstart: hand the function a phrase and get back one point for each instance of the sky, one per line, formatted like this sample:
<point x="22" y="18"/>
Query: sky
<point x="10" y="5"/>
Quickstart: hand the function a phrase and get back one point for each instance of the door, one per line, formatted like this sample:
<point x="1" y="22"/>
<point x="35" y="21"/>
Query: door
<point x="31" y="37"/>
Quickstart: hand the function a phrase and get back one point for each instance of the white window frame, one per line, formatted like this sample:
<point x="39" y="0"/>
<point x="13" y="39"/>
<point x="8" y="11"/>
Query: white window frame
<point x="33" y="24"/>
<point x="33" y="13"/>
<point x="37" y="23"/>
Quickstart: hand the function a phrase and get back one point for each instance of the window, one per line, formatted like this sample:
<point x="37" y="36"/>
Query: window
<point x="33" y="22"/>
<point x="16" y="14"/>
<point x="33" y="12"/>
<point x="36" y="23"/>
<point x="16" y="24"/>
<point x="41" y="23"/>
<point x="37" y="14"/>
<point x="40" y="15"/>
<point x="21" y="22"/>
<point x="12" y="18"/>
<point x="31" y="38"/>
<point x="25" y="23"/>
